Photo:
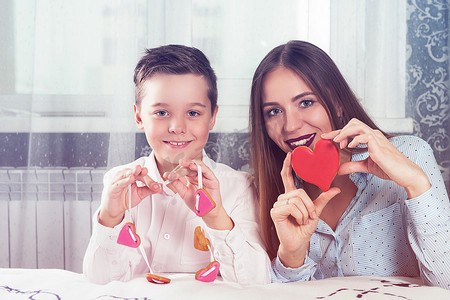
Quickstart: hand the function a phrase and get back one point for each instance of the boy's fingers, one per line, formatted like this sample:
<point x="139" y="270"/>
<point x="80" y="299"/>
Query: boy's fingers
<point x="154" y="186"/>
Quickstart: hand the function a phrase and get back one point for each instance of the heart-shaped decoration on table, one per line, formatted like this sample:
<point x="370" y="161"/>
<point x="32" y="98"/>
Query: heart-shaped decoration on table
<point x="203" y="203"/>
<point x="209" y="273"/>
<point x="318" y="167"/>
<point x="157" y="279"/>
<point x="128" y="236"/>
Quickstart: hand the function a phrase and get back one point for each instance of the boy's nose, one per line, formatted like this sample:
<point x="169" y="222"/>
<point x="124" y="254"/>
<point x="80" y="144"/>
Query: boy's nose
<point x="178" y="126"/>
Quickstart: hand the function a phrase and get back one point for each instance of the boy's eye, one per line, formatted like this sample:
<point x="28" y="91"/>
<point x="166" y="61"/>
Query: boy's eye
<point x="161" y="113"/>
<point x="193" y="113"/>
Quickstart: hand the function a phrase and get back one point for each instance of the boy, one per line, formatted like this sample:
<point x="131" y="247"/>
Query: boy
<point x="176" y="106"/>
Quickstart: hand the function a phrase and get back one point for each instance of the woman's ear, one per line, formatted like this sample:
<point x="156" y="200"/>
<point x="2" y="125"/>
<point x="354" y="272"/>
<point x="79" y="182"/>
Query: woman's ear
<point x="137" y="117"/>
<point x="212" y="122"/>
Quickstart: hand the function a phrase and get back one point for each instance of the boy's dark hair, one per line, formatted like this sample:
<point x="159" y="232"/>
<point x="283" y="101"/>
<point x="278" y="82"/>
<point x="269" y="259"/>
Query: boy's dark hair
<point x="178" y="60"/>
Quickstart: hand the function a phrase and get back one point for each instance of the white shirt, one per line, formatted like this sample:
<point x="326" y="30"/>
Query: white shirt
<point x="166" y="228"/>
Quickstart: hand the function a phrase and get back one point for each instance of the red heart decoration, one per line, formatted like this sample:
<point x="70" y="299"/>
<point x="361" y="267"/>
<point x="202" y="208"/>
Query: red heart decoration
<point x="209" y="273"/>
<point x="318" y="167"/>
<point x="157" y="279"/>
<point x="128" y="236"/>
<point x="203" y="203"/>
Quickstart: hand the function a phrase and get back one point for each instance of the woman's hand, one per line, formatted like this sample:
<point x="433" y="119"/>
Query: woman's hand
<point x="116" y="195"/>
<point x="384" y="160"/>
<point x="296" y="217"/>
<point x="185" y="181"/>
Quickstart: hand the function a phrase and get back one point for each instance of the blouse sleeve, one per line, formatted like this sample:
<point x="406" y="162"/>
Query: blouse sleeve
<point x="428" y="223"/>
<point x="280" y="273"/>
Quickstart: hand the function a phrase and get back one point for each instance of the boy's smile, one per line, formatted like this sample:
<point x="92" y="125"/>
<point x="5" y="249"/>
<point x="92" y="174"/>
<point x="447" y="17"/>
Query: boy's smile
<point x="175" y="113"/>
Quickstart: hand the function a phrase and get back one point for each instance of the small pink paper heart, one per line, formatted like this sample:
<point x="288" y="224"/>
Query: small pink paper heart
<point x="203" y="203"/>
<point x="209" y="273"/>
<point x="128" y="236"/>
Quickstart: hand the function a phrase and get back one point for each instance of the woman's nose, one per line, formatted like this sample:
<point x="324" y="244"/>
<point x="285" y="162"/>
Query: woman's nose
<point x="292" y="120"/>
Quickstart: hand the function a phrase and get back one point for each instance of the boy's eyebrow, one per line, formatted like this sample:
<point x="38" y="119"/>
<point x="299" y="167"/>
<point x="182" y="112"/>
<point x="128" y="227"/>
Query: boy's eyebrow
<point x="160" y="104"/>
<point x="198" y="104"/>
<point x="190" y="104"/>
<point x="299" y="96"/>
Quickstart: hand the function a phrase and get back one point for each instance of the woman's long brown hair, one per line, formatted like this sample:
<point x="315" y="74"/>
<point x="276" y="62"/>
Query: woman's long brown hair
<point x="322" y="76"/>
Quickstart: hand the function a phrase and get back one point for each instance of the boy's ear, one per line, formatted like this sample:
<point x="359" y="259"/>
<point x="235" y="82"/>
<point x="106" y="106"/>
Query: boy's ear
<point x="212" y="122"/>
<point x="137" y="117"/>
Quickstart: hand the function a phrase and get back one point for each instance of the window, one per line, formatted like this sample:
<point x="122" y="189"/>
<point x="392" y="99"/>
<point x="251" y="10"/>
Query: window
<point x="69" y="64"/>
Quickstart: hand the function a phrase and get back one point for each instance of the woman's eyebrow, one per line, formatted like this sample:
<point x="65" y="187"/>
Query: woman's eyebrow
<point x="299" y="96"/>
<point x="269" y="104"/>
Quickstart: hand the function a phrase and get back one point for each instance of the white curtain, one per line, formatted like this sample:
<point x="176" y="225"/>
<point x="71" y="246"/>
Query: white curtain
<point x="66" y="94"/>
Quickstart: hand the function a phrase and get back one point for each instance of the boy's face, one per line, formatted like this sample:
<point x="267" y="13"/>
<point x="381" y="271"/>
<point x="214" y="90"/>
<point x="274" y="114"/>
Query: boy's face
<point x="175" y="113"/>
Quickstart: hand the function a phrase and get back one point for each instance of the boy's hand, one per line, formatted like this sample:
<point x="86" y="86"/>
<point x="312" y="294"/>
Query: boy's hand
<point x="115" y="195"/>
<point x="187" y="171"/>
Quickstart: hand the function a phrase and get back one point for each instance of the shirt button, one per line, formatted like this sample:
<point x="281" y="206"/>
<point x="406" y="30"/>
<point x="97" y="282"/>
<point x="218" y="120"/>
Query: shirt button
<point x="166" y="236"/>
<point x="173" y="202"/>
<point x="157" y="267"/>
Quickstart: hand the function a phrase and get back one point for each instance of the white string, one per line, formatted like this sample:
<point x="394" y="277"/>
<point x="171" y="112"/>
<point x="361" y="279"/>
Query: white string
<point x="141" y="248"/>
<point x="129" y="197"/>
<point x="211" y="253"/>
<point x="144" y="255"/>
<point x="199" y="175"/>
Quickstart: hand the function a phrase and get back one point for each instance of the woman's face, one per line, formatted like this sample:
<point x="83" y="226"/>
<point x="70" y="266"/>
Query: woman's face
<point x="292" y="113"/>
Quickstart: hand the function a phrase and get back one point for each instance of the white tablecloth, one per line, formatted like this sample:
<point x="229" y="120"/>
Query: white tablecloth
<point x="52" y="284"/>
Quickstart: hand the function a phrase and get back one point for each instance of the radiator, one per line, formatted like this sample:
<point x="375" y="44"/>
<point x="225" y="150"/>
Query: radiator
<point x="45" y="216"/>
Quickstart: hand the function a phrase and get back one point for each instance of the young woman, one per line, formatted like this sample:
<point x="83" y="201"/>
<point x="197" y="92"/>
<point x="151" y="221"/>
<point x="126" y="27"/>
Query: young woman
<point x="387" y="211"/>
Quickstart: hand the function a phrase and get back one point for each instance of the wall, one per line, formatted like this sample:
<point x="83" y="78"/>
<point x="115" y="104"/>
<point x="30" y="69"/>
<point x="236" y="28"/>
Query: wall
<point x="428" y="76"/>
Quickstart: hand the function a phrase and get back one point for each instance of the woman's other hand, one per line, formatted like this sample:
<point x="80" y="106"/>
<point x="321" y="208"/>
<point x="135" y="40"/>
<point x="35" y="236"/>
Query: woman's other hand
<point x="384" y="160"/>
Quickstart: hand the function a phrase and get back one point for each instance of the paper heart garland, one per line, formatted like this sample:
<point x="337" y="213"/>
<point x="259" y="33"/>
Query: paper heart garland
<point x="156" y="279"/>
<point x="203" y="203"/>
<point x="128" y="236"/>
<point x="318" y="167"/>
<point x="209" y="273"/>
<point x="200" y="241"/>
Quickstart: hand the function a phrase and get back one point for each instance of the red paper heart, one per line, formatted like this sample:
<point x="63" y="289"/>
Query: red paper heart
<point x="128" y="236"/>
<point x="318" y="167"/>
<point x="209" y="273"/>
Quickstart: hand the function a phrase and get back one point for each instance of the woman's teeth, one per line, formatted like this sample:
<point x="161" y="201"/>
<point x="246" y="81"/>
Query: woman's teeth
<point x="302" y="142"/>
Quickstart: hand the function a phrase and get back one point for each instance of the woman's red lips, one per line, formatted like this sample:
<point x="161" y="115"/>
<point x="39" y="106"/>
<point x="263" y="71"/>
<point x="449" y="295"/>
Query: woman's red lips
<point x="304" y="140"/>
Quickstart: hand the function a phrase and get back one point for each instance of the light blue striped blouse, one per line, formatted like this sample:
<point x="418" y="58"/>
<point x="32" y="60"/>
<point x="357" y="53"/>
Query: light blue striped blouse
<point x="382" y="233"/>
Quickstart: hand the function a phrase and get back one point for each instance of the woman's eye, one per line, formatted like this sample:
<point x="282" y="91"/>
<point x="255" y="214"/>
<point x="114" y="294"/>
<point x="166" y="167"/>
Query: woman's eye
<point x="161" y="113"/>
<point x="193" y="113"/>
<point x="273" y="112"/>
<point x="306" y="103"/>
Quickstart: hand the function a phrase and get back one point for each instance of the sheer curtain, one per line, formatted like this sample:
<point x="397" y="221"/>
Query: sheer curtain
<point x="66" y="95"/>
